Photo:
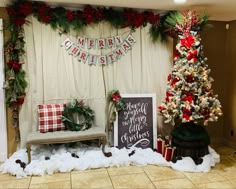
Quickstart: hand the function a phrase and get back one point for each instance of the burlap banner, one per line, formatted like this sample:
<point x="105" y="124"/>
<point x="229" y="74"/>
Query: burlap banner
<point x="78" y="49"/>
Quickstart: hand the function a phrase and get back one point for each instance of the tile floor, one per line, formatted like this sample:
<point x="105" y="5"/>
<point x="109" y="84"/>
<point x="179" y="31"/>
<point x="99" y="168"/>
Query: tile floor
<point x="222" y="176"/>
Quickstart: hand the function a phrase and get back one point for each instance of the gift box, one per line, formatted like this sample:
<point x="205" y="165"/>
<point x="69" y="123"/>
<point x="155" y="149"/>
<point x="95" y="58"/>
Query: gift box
<point x="168" y="153"/>
<point x="160" y="145"/>
<point x="162" y="141"/>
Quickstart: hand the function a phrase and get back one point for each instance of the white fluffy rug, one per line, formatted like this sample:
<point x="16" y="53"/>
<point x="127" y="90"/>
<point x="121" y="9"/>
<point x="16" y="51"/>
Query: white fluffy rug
<point x="61" y="158"/>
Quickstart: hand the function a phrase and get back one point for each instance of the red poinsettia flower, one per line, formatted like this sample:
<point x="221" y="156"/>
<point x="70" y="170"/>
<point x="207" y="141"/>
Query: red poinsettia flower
<point x="174" y="81"/>
<point x="26" y="8"/>
<point x="186" y="113"/>
<point x="100" y="14"/>
<point x="88" y="14"/>
<point x="20" y="100"/>
<point x="16" y="66"/>
<point x="192" y="55"/>
<point x="18" y="21"/>
<point x="160" y="108"/>
<point x="44" y="13"/>
<point x="150" y="17"/>
<point x="138" y="21"/>
<point x="188" y="41"/>
<point x="176" y="55"/>
<point x="168" y="94"/>
<point x="186" y="116"/>
<point x="115" y="97"/>
<point x="71" y="15"/>
<point x="188" y="98"/>
<point x="10" y="63"/>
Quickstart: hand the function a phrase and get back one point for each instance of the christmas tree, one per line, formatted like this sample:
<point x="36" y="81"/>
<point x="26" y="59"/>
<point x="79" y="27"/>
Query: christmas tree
<point x="189" y="96"/>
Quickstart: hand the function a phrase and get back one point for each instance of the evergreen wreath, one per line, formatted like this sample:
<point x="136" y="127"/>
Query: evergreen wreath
<point x="78" y="108"/>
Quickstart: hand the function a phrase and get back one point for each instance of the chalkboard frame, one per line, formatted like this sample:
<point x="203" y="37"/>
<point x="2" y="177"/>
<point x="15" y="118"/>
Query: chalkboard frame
<point x="154" y="119"/>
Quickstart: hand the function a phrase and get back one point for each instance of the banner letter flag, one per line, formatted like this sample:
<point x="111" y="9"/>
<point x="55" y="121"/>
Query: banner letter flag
<point x="91" y="43"/>
<point x="119" y="47"/>
<point x="74" y="51"/>
<point x="125" y="46"/>
<point x="131" y="40"/>
<point x="102" y="60"/>
<point x="119" y="52"/>
<point x="110" y="42"/>
<point x="92" y="59"/>
<point x="81" y="42"/>
<point x="101" y="43"/>
<point x="118" y="40"/>
<point x="67" y="43"/>
<point x="83" y="56"/>
<point x="111" y="58"/>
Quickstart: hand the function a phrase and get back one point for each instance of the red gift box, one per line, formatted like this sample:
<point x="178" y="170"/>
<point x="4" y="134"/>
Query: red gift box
<point x="160" y="145"/>
<point x="168" y="153"/>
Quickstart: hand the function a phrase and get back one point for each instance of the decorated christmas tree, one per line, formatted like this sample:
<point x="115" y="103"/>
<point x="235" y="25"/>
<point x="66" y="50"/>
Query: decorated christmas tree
<point x="189" y="94"/>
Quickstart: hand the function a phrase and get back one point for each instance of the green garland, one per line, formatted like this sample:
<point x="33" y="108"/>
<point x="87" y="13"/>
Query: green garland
<point x="79" y="109"/>
<point x="65" y="20"/>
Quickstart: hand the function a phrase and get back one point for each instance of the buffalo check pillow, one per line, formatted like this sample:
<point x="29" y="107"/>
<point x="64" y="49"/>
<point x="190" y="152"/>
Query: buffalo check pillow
<point x="49" y="117"/>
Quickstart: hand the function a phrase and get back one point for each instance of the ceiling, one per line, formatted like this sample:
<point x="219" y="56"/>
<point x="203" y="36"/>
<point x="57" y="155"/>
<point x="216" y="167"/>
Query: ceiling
<point x="221" y="10"/>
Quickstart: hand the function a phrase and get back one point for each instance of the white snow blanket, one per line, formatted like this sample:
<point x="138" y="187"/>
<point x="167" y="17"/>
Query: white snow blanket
<point x="61" y="158"/>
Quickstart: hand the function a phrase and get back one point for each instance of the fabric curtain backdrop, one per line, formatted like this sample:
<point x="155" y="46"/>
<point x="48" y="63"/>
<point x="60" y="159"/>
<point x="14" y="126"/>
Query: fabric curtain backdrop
<point x="54" y="76"/>
<point x="3" y="127"/>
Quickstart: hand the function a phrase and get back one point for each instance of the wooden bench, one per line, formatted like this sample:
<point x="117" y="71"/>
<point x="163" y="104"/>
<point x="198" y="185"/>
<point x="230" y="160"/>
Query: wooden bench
<point x="66" y="136"/>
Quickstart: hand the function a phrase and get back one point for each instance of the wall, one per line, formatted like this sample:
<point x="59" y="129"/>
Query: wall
<point x="214" y="42"/>
<point x="12" y="145"/>
<point x="230" y="77"/>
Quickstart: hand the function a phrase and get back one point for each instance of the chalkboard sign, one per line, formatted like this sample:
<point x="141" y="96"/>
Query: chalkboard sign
<point x="136" y="125"/>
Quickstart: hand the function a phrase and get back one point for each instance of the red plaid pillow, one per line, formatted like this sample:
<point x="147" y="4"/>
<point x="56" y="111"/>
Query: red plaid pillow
<point x="49" y="117"/>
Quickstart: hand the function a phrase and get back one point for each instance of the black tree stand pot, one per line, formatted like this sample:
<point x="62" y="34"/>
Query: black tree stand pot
<point x="190" y="140"/>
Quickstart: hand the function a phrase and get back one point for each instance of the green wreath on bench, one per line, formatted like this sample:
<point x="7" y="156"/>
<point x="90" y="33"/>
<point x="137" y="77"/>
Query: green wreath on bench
<point x="78" y="108"/>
